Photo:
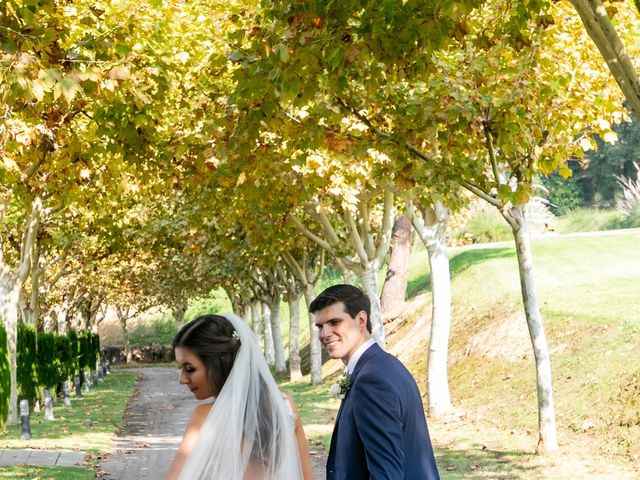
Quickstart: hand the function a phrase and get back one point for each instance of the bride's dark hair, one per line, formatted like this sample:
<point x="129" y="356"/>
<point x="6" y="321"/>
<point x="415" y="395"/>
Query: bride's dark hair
<point x="213" y="340"/>
<point x="250" y="430"/>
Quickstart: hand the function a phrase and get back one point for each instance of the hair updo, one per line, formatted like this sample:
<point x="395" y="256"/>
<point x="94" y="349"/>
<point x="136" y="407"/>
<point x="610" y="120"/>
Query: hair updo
<point x="214" y="341"/>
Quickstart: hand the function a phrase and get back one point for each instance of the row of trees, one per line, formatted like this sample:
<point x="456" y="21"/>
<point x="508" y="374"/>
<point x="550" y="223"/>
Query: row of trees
<point x="147" y="160"/>
<point x="45" y="361"/>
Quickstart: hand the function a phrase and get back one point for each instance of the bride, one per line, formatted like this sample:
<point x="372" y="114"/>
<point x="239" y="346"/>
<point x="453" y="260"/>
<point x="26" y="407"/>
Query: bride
<point x="251" y="430"/>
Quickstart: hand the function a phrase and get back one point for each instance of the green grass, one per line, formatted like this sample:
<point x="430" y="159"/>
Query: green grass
<point x="45" y="473"/>
<point x="103" y="405"/>
<point x="487" y="226"/>
<point x="590" y="220"/>
<point x="316" y="407"/>
<point x="587" y="289"/>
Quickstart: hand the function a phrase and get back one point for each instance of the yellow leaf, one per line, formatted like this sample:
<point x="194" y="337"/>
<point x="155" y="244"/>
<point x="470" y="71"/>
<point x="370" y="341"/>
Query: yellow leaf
<point x="24" y="138"/>
<point x="183" y="57"/>
<point x="610" y="137"/>
<point x="585" y="144"/>
<point x="10" y="164"/>
<point x="37" y="89"/>
<point x="119" y="73"/>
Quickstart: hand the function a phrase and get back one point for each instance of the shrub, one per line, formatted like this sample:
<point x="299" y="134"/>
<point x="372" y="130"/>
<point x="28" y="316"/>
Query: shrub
<point x="26" y="358"/>
<point x="589" y="220"/>
<point x="158" y="331"/>
<point x="48" y="360"/>
<point x="95" y="350"/>
<point x="630" y="199"/>
<point x="564" y="194"/>
<point x="74" y="345"/>
<point x="487" y="225"/>
<point x="85" y="350"/>
<point x="5" y="376"/>
<point x="65" y="357"/>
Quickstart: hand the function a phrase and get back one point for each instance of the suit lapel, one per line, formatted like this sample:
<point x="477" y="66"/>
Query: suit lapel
<point x="369" y="353"/>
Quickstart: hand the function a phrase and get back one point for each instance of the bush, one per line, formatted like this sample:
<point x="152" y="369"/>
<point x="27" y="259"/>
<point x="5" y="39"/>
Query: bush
<point x="487" y="225"/>
<point x="5" y="376"/>
<point x="48" y="360"/>
<point x="590" y="220"/>
<point x="629" y="200"/>
<point x="84" y="360"/>
<point x="158" y="331"/>
<point x="74" y="345"/>
<point x="564" y="194"/>
<point x="27" y="360"/>
<point x="65" y="357"/>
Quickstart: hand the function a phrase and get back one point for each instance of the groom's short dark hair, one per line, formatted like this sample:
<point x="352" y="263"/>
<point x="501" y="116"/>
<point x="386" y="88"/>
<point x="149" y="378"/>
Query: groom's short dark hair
<point x="354" y="300"/>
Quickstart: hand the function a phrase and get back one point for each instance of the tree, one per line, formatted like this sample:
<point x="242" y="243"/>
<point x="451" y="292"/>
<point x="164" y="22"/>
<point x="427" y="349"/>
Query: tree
<point x="430" y="222"/>
<point x="395" y="283"/>
<point x="598" y="24"/>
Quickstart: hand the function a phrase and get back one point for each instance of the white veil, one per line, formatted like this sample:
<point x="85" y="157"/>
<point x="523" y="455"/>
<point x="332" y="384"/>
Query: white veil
<point x="249" y="432"/>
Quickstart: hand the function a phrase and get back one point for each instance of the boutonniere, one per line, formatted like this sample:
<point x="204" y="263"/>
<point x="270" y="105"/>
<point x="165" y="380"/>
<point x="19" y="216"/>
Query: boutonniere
<point x="341" y="386"/>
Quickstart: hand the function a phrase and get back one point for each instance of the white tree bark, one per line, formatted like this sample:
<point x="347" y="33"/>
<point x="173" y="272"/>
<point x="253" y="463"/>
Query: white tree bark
<point x="60" y="312"/>
<point x="431" y="229"/>
<point x="178" y="312"/>
<point x="295" y="370"/>
<point x="10" y="287"/>
<point x="293" y="291"/>
<point x="547" y="434"/>
<point x="274" y="307"/>
<point x="314" y="338"/>
<point x="256" y="316"/>
<point x="369" y="279"/>
<point x="369" y="247"/>
<point x="124" y="313"/>
<point x="269" y="348"/>
<point x="308" y="272"/>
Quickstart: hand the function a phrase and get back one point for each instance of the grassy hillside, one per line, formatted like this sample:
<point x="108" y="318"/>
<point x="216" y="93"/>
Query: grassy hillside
<point x="589" y="292"/>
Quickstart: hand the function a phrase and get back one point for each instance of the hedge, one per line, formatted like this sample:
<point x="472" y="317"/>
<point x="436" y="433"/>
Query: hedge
<point x="27" y="360"/>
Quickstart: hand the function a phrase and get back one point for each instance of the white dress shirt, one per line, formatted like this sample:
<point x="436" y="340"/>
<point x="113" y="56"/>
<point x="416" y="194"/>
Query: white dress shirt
<point x="353" y="361"/>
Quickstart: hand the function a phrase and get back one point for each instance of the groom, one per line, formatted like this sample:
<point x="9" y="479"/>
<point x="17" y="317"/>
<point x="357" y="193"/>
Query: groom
<point x="380" y="430"/>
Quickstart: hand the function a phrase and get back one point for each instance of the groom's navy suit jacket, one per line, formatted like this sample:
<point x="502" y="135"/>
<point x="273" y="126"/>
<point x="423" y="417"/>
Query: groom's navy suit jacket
<point x="381" y="431"/>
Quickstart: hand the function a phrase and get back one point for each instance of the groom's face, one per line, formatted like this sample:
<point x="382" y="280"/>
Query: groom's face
<point x="340" y="333"/>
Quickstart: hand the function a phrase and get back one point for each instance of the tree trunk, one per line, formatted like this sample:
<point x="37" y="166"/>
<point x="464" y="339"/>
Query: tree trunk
<point x="9" y="307"/>
<point x="274" y="319"/>
<point x="178" y="312"/>
<point x="36" y="274"/>
<point x="60" y="311"/>
<point x="10" y="288"/>
<point x="256" y="314"/>
<point x="348" y="276"/>
<point x="370" y="286"/>
<point x="269" y="347"/>
<point x="395" y="283"/>
<point x="246" y="313"/>
<point x="438" y="378"/>
<point x="295" y="371"/>
<point x="431" y="229"/>
<point x="314" y="339"/>
<point x="547" y="439"/>
<point x="125" y="337"/>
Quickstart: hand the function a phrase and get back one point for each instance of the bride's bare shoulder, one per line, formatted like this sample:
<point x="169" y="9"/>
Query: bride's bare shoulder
<point x="199" y="414"/>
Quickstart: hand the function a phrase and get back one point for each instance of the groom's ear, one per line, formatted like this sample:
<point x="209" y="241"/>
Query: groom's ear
<point x="361" y="317"/>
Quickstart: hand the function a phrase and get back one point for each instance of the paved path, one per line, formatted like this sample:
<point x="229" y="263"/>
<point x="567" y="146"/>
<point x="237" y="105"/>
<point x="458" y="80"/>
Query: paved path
<point x="41" y="457"/>
<point x="155" y="421"/>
